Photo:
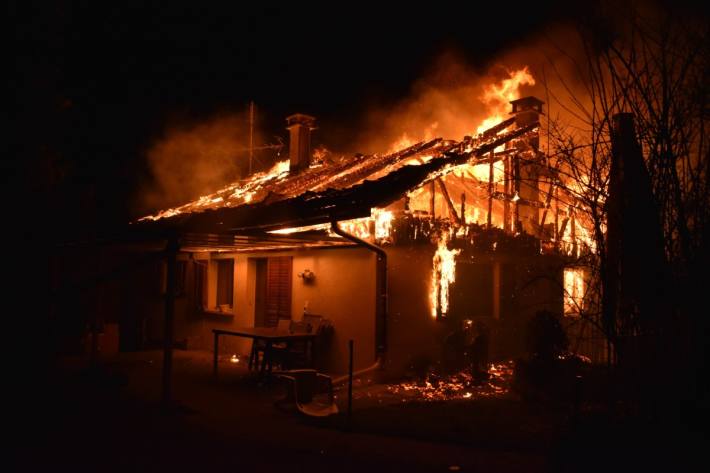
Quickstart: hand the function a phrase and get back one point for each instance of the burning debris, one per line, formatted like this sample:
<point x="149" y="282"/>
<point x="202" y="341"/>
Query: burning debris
<point x="461" y="385"/>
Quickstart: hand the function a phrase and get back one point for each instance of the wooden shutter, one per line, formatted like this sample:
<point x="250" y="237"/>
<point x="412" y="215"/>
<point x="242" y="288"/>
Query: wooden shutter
<point x="278" y="289"/>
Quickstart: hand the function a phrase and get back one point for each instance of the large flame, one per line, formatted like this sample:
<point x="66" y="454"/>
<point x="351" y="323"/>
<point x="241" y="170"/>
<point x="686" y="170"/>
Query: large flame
<point x="443" y="274"/>
<point x="497" y="96"/>
<point x="465" y="194"/>
<point x="574" y="290"/>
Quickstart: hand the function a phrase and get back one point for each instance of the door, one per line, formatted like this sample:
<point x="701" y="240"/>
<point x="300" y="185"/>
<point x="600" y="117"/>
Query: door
<point x="278" y="290"/>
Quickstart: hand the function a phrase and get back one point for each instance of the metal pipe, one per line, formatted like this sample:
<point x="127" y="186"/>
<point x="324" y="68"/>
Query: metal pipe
<point x="350" y="380"/>
<point x="490" y="190"/>
<point x="215" y="354"/>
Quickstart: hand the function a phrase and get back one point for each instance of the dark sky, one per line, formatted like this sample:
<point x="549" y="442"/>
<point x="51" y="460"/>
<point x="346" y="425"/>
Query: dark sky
<point x="94" y="85"/>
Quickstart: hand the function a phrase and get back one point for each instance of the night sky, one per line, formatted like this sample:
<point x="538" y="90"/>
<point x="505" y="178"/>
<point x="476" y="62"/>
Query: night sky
<point x="94" y="85"/>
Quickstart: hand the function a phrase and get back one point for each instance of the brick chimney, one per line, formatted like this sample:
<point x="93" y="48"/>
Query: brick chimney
<point x="299" y="149"/>
<point x="527" y="110"/>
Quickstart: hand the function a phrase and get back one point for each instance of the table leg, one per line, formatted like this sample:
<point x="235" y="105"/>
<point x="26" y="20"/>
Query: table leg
<point x="267" y="356"/>
<point x="287" y="356"/>
<point x="312" y="350"/>
<point x="271" y="361"/>
<point x="215" y="354"/>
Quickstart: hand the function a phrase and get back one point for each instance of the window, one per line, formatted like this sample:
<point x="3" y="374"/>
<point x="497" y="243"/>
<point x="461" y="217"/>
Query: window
<point x="573" y="291"/>
<point x="225" y="283"/>
<point x="214" y="285"/>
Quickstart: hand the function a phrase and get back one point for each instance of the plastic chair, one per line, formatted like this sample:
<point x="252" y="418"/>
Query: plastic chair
<point x="304" y="389"/>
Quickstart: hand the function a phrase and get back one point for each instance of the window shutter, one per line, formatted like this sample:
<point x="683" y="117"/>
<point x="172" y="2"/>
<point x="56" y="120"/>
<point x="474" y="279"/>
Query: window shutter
<point x="278" y="289"/>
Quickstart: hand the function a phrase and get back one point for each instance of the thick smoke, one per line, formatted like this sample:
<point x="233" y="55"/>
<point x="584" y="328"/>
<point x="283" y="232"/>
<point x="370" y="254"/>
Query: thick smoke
<point x="450" y="101"/>
<point x="194" y="159"/>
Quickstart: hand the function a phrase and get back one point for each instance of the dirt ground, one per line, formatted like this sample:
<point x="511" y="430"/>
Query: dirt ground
<point x="110" y="419"/>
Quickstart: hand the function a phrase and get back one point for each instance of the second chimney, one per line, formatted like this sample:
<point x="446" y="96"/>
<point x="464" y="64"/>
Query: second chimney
<point x="299" y="150"/>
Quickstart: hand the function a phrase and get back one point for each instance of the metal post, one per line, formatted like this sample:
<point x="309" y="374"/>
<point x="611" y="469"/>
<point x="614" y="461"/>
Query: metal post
<point x="171" y="258"/>
<point x="215" y="355"/>
<point x="490" y="191"/>
<point x="516" y="189"/>
<point x="251" y="135"/>
<point x="350" y="381"/>
<point x="507" y="185"/>
<point x="463" y="208"/>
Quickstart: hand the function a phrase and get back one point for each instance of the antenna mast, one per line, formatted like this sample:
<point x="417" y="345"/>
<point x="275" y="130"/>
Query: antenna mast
<point x="251" y="134"/>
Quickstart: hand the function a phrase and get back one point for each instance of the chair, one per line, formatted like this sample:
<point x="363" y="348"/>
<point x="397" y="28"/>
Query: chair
<point x="259" y="346"/>
<point x="313" y="323"/>
<point x="304" y="390"/>
<point x="301" y="353"/>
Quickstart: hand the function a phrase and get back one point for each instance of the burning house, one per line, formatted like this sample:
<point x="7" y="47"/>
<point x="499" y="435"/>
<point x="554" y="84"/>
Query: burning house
<point x="396" y="250"/>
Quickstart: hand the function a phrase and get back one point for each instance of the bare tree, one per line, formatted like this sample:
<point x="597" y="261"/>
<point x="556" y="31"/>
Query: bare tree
<point x="656" y="68"/>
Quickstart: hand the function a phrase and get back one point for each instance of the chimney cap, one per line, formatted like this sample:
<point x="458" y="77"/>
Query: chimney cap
<point x="301" y="119"/>
<point x="527" y="103"/>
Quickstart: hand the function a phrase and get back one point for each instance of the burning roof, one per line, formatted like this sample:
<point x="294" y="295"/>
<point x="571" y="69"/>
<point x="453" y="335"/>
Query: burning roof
<point x="281" y="198"/>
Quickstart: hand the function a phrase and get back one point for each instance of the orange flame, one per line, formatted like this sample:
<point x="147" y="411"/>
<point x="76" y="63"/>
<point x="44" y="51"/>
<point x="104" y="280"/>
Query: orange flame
<point x="574" y="290"/>
<point x="497" y="96"/>
<point x="237" y="193"/>
<point x="443" y="274"/>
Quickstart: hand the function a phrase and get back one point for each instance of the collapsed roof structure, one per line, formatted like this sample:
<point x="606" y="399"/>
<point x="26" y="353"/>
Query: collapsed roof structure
<point x="253" y="213"/>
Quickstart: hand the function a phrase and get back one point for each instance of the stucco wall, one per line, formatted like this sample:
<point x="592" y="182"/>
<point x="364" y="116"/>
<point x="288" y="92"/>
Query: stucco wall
<point x="343" y="291"/>
<point x="412" y="333"/>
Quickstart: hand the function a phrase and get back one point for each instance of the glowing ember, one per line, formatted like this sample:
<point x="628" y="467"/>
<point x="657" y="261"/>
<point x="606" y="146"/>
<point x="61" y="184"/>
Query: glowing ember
<point x="460" y="385"/>
<point x="442" y="275"/>
<point x="237" y="193"/>
<point x="234" y="359"/>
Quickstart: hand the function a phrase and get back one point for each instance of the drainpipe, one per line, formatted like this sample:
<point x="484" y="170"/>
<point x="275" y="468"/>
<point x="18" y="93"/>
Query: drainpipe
<point x="380" y="301"/>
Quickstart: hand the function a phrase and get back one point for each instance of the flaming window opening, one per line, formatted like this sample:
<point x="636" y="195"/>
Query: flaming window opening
<point x="573" y="291"/>
<point x="443" y="274"/>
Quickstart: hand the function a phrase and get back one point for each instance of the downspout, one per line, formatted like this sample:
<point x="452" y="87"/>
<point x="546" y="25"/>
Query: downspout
<point x="380" y="301"/>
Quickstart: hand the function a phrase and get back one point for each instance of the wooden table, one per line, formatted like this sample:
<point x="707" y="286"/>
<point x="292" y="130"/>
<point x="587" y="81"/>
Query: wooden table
<point x="269" y="335"/>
